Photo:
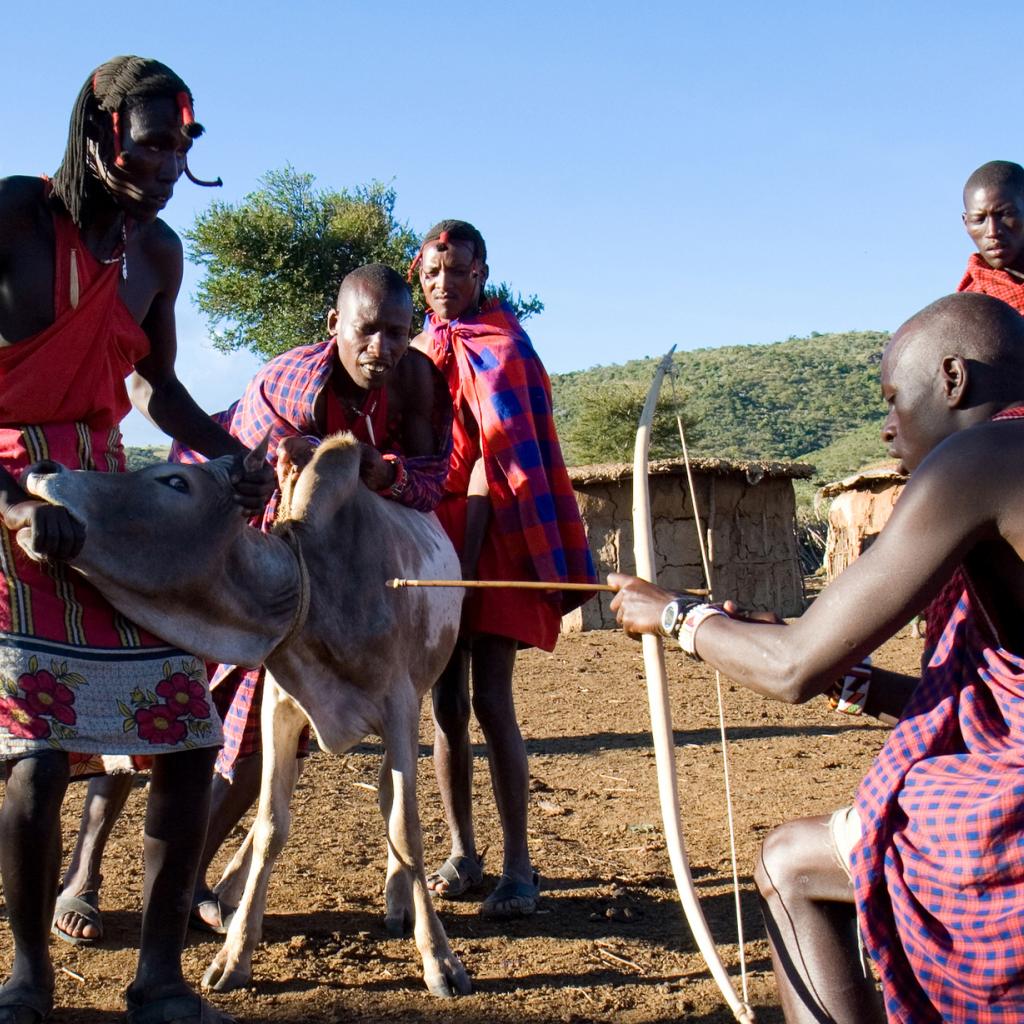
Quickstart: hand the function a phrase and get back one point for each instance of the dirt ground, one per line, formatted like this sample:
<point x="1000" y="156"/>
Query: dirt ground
<point x="609" y="942"/>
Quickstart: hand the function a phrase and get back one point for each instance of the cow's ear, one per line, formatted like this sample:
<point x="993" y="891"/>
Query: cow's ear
<point x="258" y="456"/>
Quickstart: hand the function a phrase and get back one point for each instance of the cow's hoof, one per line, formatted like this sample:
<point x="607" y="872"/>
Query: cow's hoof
<point x="450" y="979"/>
<point x="220" y="979"/>
<point x="399" y="924"/>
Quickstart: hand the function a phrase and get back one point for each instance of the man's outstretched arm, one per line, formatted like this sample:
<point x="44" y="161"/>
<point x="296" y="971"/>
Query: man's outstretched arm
<point x="950" y="504"/>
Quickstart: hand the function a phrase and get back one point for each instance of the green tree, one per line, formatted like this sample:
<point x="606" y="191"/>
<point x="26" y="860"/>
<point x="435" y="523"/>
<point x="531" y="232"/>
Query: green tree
<point x="274" y="260"/>
<point x="604" y="426"/>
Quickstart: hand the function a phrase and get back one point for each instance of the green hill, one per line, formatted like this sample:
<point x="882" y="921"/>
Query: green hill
<point x="814" y="399"/>
<point x="140" y="456"/>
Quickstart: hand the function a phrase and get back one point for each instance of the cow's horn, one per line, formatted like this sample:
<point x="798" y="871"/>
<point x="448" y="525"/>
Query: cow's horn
<point x="255" y="458"/>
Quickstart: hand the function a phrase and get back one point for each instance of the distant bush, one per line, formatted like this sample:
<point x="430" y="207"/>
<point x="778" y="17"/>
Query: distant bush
<point x="140" y="456"/>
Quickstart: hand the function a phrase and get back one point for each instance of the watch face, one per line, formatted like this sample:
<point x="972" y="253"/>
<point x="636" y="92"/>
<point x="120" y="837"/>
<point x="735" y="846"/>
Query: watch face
<point x="669" y="616"/>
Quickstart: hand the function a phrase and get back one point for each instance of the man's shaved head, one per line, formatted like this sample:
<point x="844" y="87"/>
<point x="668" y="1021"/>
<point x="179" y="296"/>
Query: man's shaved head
<point x="371" y="325"/>
<point x="377" y="278"/>
<point x="986" y="333"/>
<point x="996" y="174"/>
<point x="954" y="364"/>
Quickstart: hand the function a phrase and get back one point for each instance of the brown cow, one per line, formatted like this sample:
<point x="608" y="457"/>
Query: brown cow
<point x="167" y="547"/>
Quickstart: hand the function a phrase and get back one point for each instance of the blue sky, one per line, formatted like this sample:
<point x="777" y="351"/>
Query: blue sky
<point x="658" y="173"/>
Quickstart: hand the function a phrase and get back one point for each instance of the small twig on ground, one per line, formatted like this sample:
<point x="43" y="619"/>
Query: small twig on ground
<point x="73" y="974"/>
<point x="366" y="785"/>
<point x="603" y="950"/>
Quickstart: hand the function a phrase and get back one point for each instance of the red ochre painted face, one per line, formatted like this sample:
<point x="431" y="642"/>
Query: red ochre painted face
<point x="371" y="334"/>
<point x="994" y="218"/>
<point x="452" y="279"/>
<point x="154" y="149"/>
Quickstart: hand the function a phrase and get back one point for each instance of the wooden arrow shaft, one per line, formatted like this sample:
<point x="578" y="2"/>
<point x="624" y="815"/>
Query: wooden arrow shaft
<point x="515" y="585"/>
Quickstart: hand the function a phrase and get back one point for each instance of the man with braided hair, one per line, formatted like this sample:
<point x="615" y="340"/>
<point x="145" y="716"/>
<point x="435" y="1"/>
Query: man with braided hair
<point x="511" y="513"/>
<point x="88" y="279"/>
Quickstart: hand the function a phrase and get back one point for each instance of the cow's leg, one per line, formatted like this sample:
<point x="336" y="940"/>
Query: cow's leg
<point x="230" y="801"/>
<point x="231" y="885"/>
<point x="398" y="897"/>
<point x="232" y="882"/>
<point x="281" y="721"/>
<point x="442" y="971"/>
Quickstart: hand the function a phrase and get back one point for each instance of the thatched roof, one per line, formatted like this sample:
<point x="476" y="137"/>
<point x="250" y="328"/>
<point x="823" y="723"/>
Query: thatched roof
<point x="867" y="479"/>
<point x="754" y="470"/>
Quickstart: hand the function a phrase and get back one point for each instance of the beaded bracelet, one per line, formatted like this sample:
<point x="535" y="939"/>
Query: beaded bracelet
<point x="401" y="481"/>
<point x="853" y="693"/>
<point x="694" y="617"/>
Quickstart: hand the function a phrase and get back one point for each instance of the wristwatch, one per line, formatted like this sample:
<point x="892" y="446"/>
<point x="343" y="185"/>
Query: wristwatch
<point x="672" y="616"/>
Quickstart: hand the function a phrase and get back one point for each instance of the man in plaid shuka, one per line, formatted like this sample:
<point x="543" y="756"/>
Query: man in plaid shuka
<point x="510" y="511"/>
<point x="931" y="855"/>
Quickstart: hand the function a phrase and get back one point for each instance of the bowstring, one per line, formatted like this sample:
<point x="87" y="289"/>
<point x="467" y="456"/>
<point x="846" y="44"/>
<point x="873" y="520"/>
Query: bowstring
<point x="701" y="542"/>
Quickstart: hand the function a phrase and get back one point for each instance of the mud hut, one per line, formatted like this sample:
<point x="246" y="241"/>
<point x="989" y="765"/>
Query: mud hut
<point x="860" y="506"/>
<point x="748" y="512"/>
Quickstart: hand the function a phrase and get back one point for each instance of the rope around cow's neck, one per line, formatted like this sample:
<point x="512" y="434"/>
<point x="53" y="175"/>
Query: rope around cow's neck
<point x="287" y="534"/>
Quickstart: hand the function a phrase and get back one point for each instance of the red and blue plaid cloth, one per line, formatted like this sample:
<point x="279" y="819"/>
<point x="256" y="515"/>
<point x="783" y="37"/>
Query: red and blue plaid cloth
<point x="280" y="400"/>
<point x="508" y="391"/>
<point x="939" y="872"/>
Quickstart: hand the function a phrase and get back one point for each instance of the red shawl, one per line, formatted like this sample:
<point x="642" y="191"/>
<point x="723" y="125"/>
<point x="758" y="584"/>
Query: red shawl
<point x="1000" y="284"/>
<point x="74" y="370"/>
<point x="503" y="381"/>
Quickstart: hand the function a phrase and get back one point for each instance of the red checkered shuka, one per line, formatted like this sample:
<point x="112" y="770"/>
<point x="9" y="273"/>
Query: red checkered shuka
<point x="1000" y="284"/>
<point x="280" y="401"/>
<point x="505" y="385"/>
<point x="939" y="871"/>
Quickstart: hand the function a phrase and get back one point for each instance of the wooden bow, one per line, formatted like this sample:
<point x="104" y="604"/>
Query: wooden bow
<point x="661" y="715"/>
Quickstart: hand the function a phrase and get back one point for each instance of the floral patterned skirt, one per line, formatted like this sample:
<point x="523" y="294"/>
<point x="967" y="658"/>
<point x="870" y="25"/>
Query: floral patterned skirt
<point x="75" y="674"/>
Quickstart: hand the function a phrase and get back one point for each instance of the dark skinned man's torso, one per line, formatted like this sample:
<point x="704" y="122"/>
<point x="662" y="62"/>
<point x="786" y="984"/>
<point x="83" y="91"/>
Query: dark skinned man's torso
<point x="410" y="397"/>
<point x="27" y="254"/>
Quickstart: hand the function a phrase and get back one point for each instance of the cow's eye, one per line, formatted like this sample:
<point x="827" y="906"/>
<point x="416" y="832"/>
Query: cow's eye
<point x="177" y="483"/>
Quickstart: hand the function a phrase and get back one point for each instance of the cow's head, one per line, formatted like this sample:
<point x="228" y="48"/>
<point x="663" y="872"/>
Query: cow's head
<point x="168" y="547"/>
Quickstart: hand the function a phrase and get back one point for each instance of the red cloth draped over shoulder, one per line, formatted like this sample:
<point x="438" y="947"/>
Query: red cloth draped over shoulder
<point x="939" y="871"/>
<point x="74" y="370"/>
<point x="535" y="531"/>
<point x="1000" y="284"/>
<point x="62" y="396"/>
